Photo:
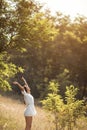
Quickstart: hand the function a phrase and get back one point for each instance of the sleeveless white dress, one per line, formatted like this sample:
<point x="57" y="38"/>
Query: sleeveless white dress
<point x="29" y="101"/>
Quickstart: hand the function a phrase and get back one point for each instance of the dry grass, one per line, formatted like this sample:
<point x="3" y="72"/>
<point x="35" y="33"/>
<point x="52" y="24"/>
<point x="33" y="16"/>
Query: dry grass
<point x="11" y="116"/>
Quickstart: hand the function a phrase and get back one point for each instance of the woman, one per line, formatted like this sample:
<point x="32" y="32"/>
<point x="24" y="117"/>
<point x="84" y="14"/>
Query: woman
<point x="29" y="101"/>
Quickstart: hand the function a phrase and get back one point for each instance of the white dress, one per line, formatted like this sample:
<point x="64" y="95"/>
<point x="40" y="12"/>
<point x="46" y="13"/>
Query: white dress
<point x="29" y="101"/>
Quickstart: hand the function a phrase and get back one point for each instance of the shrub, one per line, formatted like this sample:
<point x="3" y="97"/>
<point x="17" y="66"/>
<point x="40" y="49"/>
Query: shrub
<point x="65" y="112"/>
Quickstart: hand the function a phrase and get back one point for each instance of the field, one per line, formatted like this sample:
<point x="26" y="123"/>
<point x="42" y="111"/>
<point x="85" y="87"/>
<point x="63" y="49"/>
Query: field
<point x="11" y="115"/>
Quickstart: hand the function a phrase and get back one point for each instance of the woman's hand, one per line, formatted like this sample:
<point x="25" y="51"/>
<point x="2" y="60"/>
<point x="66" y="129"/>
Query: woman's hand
<point x="23" y="78"/>
<point x="19" y="85"/>
<point x="15" y="82"/>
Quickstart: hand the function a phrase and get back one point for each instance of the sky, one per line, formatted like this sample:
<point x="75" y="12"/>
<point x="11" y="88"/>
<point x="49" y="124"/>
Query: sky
<point x="67" y="7"/>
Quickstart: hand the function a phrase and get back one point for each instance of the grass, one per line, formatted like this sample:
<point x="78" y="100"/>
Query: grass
<point x="11" y="115"/>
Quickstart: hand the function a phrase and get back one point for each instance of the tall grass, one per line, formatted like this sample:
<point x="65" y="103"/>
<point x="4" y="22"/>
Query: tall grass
<point x="11" y="116"/>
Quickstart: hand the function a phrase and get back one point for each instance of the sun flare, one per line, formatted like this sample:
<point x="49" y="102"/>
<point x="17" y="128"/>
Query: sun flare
<point x="68" y="7"/>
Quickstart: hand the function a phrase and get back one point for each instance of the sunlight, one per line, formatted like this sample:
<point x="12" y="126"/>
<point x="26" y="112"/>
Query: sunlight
<point x="68" y="7"/>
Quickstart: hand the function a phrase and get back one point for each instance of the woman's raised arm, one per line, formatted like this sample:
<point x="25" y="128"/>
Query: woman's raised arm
<point x="19" y="85"/>
<point x="25" y="81"/>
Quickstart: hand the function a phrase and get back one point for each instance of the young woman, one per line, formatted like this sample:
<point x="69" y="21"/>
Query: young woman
<point x="29" y="101"/>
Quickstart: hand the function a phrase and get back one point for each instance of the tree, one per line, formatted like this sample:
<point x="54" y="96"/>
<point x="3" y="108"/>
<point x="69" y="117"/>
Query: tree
<point x="35" y="32"/>
<point x="69" y="50"/>
<point x="7" y="68"/>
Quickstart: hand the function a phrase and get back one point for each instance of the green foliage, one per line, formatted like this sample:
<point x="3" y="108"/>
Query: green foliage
<point x="70" y="94"/>
<point x="53" y="86"/>
<point x="74" y="107"/>
<point x="53" y="100"/>
<point x="66" y="113"/>
<point x="7" y="70"/>
<point x="47" y="44"/>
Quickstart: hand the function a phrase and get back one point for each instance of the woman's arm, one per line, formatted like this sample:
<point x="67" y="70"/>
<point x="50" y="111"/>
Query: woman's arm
<point x="26" y="85"/>
<point x="19" y="85"/>
<point x="25" y="81"/>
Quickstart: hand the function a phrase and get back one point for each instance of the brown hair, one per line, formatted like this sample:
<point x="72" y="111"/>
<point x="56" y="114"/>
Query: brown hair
<point x="25" y="88"/>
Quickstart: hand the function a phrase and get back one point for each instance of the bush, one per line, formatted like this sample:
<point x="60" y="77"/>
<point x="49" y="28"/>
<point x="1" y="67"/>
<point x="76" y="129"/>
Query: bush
<point x="66" y="112"/>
